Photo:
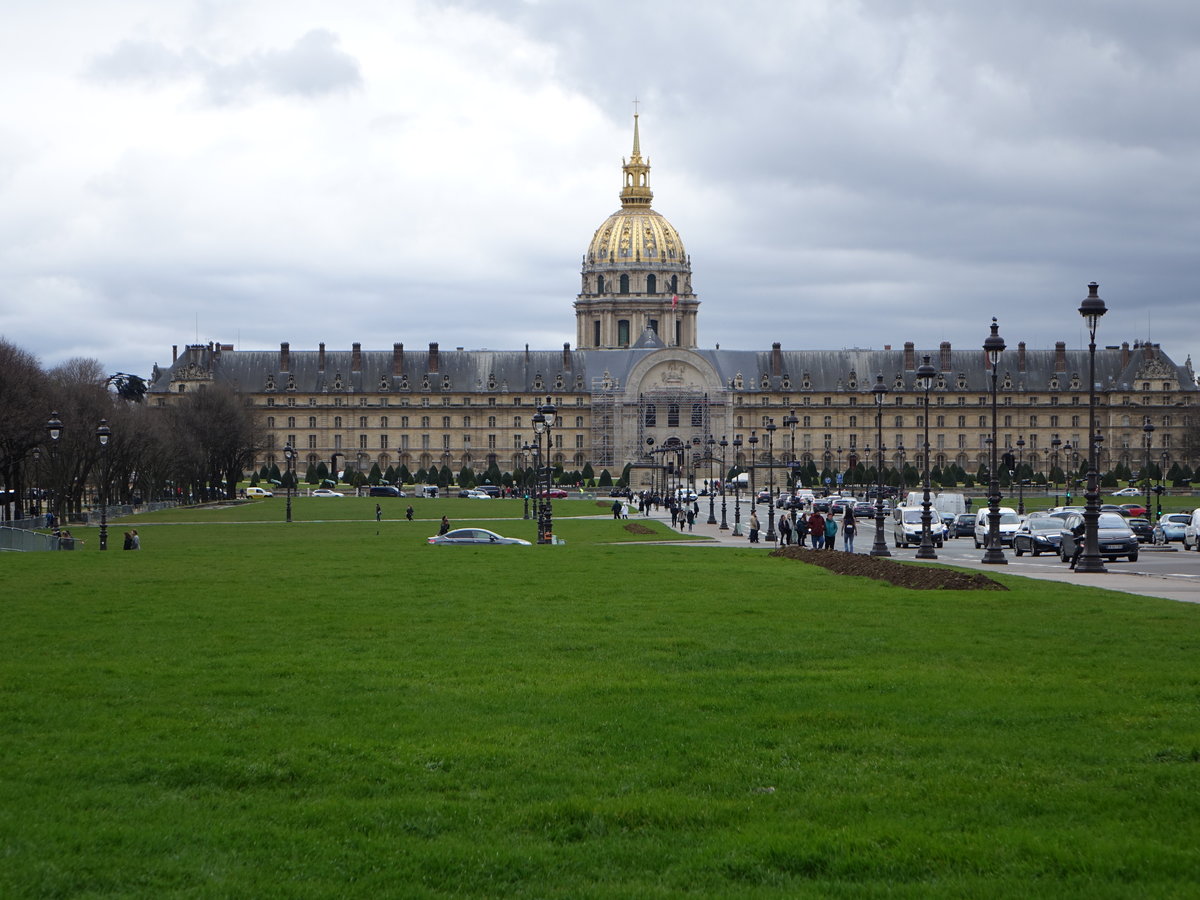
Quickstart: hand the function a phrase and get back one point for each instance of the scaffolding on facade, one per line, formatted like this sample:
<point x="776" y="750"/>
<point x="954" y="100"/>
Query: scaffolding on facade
<point x="604" y="422"/>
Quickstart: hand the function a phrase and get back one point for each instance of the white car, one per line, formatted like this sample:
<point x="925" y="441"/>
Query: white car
<point x="478" y="495"/>
<point x="1009" y="523"/>
<point x="326" y="492"/>
<point x="1128" y="492"/>
<point x="908" y="528"/>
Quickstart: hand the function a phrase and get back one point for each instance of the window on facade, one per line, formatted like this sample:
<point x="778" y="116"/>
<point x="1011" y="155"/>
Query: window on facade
<point x="983" y="421"/>
<point x="491" y="421"/>
<point x="337" y="421"/>
<point x="516" y="421"/>
<point x="807" y="421"/>
<point x="622" y="332"/>
<point x="424" y="442"/>
<point x="596" y="333"/>
<point x="383" y="442"/>
<point x="624" y="284"/>
<point x="697" y="415"/>
<point x="579" y="421"/>
<point x="854" y="421"/>
<point x="829" y="421"/>
<point x="579" y="441"/>
<point x="899" y="421"/>
<point x="362" y="442"/>
<point x="337" y="442"/>
<point x="404" y="442"/>
<point x="653" y="325"/>
<point x="424" y="421"/>
<point x="941" y="421"/>
<point x="491" y="442"/>
<point x="445" y="421"/>
<point x="672" y="415"/>
<point x="312" y="442"/>
<point x="291" y="421"/>
<point x="270" y="421"/>
<point x="445" y="442"/>
<point x="650" y="415"/>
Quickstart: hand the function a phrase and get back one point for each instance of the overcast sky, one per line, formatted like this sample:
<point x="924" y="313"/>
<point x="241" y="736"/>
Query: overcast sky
<point x="843" y="174"/>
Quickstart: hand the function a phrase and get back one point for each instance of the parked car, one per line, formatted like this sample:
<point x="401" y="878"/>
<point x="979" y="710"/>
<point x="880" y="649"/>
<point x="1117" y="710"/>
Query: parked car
<point x="1171" y="527"/>
<point x="1127" y="492"/>
<point x="964" y="525"/>
<point x="553" y="494"/>
<point x="385" y="490"/>
<point x="907" y="529"/>
<point x="1009" y="523"/>
<point x="1038" y="535"/>
<point x="490" y="489"/>
<point x="1133" y="509"/>
<point x="1191" y="531"/>
<point x="258" y="492"/>
<point x="1114" y="537"/>
<point x="474" y="536"/>
<point x="1113" y="508"/>
<point x="326" y="492"/>
<point x="478" y="495"/>
<point x="1141" y="528"/>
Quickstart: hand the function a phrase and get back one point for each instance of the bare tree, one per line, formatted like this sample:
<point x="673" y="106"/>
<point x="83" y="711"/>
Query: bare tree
<point x="215" y="439"/>
<point x="24" y="409"/>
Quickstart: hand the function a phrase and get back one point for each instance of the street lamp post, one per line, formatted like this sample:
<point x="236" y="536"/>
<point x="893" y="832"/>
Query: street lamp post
<point x="289" y="454"/>
<point x="879" y="547"/>
<point x="525" y="477"/>
<point x="1020" y="480"/>
<point x="993" y="347"/>
<point x="1054" y="445"/>
<point x="724" y="473"/>
<point x="771" y="536"/>
<point x="1162" y="476"/>
<point x="1092" y="308"/>
<point x="709" y="443"/>
<point x="543" y="424"/>
<point x="54" y="430"/>
<point x="791" y="421"/>
<point x="1148" y="430"/>
<point x="37" y="481"/>
<point x="737" y="499"/>
<point x="925" y="375"/>
<point x="753" y="472"/>
<point x="104" y="435"/>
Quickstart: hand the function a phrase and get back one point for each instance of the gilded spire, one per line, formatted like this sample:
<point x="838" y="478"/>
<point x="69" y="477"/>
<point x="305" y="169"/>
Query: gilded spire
<point x="636" y="192"/>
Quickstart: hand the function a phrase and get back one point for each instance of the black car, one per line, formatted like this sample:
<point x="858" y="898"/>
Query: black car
<point x="385" y="490"/>
<point x="1114" y="537"/>
<point x="1142" y="529"/>
<point x="1039" y="535"/>
<point x="964" y="525"/>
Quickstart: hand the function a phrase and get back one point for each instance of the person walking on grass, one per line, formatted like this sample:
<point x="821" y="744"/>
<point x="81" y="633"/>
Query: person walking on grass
<point x="445" y="526"/>
<point x="378" y="512"/>
<point x="408" y="513"/>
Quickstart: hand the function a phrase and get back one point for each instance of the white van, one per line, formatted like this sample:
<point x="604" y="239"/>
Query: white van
<point x="1009" y="523"/>
<point x="1191" y="532"/>
<point x="949" y="503"/>
<point x="258" y="492"/>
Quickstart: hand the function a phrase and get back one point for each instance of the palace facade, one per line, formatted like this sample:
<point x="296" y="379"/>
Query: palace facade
<point x="637" y="382"/>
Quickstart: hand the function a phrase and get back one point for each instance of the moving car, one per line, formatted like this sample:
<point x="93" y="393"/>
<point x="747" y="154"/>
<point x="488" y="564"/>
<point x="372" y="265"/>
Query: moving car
<point x="963" y="526"/>
<point x="1133" y="509"/>
<point x="1114" y="537"/>
<point x="474" y="536"/>
<point x="1009" y="523"/>
<point x="258" y="492"/>
<point x="1127" y="492"/>
<point x="1171" y="527"/>
<point x="385" y="490"/>
<point x="1039" y="535"/>
<point x="326" y="492"/>
<point x="1141" y="528"/>
<point x="1191" y="531"/>
<point x="553" y="494"/>
<point x="907" y="529"/>
<point x="478" y="495"/>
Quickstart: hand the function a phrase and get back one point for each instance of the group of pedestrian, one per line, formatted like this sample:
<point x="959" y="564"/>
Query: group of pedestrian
<point x="132" y="541"/>
<point x="822" y="529"/>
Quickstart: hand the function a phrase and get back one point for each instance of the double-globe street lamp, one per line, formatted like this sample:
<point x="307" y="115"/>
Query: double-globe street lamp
<point x="771" y="536"/>
<point x="753" y="472"/>
<point x="992" y="348"/>
<point x="737" y="483"/>
<point x="525" y="477"/>
<point x="879" y="547"/>
<point x="1020" y="478"/>
<point x="1055" y="443"/>
<point x="104" y="435"/>
<point x="289" y="454"/>
<point x="1092" y="309"/>
<point x="1148" y="430"/>
<point x="925" y="375"/>
<point x="709" y="443"/>
<point x="724" y="477"/>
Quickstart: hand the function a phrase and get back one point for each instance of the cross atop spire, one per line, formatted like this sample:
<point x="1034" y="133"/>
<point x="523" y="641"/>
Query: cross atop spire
<point x="636" y="192"/>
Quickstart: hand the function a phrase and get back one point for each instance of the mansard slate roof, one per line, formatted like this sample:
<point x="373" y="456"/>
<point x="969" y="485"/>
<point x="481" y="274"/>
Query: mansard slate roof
<point x="525" y="371"/>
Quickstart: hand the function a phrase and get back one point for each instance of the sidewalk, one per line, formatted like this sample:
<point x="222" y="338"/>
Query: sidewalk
<point x="1182" y="587"/>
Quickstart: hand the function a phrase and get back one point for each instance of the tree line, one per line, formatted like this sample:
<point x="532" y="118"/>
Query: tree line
<point x="193" y="449"/>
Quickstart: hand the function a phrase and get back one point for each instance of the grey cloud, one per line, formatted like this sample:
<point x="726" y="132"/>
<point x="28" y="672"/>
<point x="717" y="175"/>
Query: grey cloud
<point x="314" y="65"/>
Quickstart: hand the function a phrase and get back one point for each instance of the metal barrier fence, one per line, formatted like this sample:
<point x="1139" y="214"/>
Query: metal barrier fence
<point x="19" y="539"/>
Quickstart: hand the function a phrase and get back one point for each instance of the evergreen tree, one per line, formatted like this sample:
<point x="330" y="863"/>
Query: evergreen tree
<point x="445" y="477"/>
<point x="403" y="475"/>
<point x="390" y="475"/>
<point x="588" y="475"/>
<point x="606" y="479"/>
<point x="466" y="477"/>
<point x="275" y="474"/>
<point x="264" y="473"/>
<point x="253" y="479"/>
<point x="422" y="477"/>
<point x="376" y="476"/>
<point x="623" y="481"/>
<point x="318" y="473"/>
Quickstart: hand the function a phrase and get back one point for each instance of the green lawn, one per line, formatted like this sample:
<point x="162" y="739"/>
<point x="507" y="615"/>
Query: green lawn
<point x="339" y="709"/>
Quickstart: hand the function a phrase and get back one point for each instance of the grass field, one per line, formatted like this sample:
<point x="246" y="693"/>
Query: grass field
<point x="338" y="709"/>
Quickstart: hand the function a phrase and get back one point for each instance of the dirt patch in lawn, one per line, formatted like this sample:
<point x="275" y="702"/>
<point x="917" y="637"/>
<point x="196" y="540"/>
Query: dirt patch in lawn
<point x="638" y="528"/>
<point x="920" y="577"/>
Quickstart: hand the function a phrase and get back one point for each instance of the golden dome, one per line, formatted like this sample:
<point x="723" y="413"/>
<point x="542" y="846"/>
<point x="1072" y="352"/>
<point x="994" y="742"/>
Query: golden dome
<point x="636" y="233"/>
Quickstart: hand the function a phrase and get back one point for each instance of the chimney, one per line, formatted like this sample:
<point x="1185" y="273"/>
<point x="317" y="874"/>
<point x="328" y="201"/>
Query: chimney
<point x="566" y="357"/>
<point x="776" y="359"/>
<point x="1148" y="352"/>
<point x="1021" y="356"/>
<point x="356" y="357"/>
<point x="1125" y="357"/>
<point x="910" y="357"/>
<point x="285" y="356"/>
<point x="945" y="361"/>
<point x="1060" y="356"/>
<point x="397" y="359"/>
<point x="175" y="353"/>
<point x="433" y="356"/>
<point x="321" y="357"/>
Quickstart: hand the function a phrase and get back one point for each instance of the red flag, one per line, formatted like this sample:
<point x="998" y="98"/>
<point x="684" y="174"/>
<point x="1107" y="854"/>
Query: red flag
<point x="674" y="300"/>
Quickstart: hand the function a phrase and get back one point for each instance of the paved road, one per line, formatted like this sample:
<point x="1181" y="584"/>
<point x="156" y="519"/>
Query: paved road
<point x="1173" y="574"/>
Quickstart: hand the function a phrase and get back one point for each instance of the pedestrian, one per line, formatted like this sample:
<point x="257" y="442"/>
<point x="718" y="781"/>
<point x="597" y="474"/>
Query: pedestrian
<point x="445" y="525"/>
<point x="799" y="529"/>
<point x="137" y="541"/>
<point x="831" y="530"/>
<point x="816" y="529"/>
<point x="378" y="512"/>
<point x="754" y="526"/>
<point x="1078" y="533"/>
<point x="691" y="519"/>
<point x="785" y="530"/>
<point x="408" y="513"/>
<point x="674" y="516"/>
<point x="616" y="509"/>
<point x="849" y="527"/>
<point x="128" y="541"/>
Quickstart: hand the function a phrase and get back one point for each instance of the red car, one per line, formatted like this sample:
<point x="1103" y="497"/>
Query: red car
<point x="553" y="494"/>
<point x="1133" y="509"/>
